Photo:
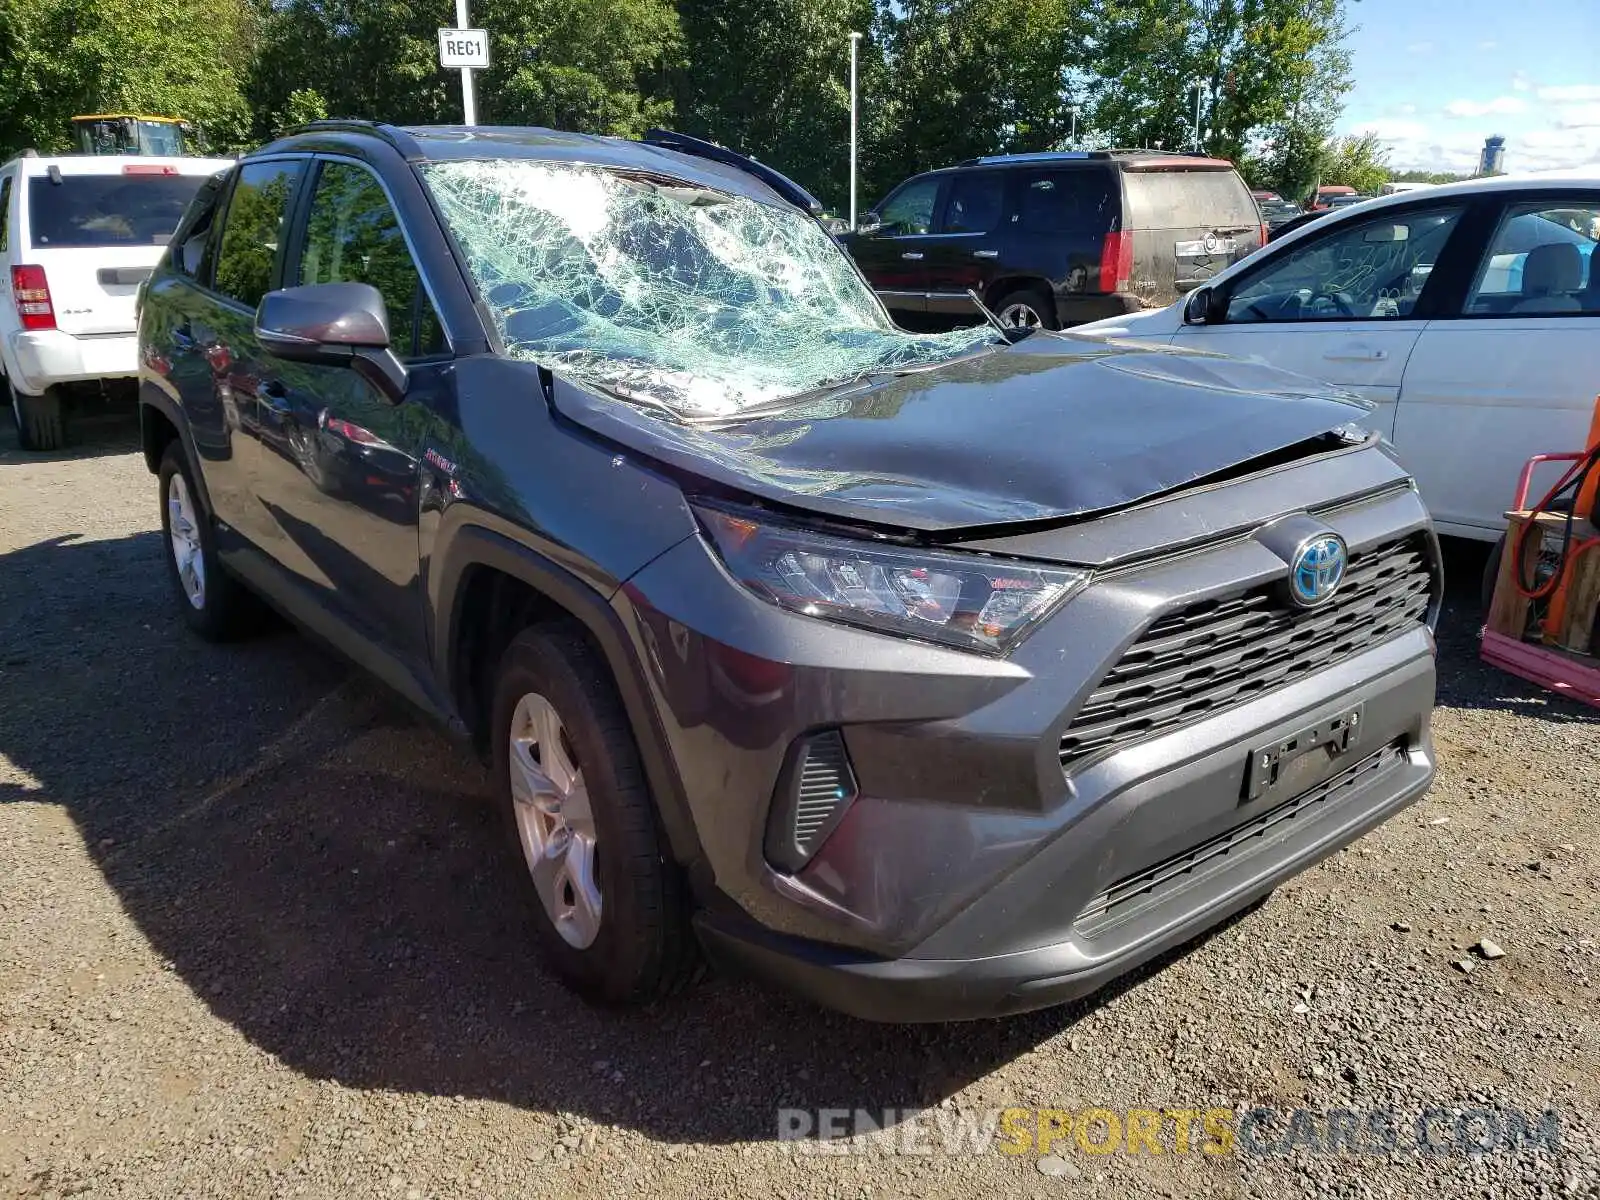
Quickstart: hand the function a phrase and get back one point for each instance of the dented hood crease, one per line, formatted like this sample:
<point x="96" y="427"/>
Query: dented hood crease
<point x="1053" y="428"/>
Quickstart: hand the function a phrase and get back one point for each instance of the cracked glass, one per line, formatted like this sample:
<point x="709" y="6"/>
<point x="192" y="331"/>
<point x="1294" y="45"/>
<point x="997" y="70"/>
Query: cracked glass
<point x="670" y="295"/>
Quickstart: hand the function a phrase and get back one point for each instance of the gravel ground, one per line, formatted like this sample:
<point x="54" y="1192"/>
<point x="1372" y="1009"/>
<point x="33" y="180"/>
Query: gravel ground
<point x="253" y="943"/>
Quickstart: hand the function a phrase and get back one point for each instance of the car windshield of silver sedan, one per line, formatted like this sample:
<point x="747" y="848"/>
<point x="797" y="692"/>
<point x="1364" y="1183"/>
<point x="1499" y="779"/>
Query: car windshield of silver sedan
<point x="669" y="295"/>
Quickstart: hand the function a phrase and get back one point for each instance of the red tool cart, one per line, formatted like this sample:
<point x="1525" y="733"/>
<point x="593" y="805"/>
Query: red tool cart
<point x="1544" y="621"/>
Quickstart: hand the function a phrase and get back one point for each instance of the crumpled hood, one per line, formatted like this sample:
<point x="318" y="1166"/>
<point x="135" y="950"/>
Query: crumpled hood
<point x="1055" y="427"/>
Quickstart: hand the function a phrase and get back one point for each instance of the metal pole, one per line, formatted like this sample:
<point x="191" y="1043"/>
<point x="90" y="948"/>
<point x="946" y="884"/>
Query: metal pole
<point x="469" y="102"/>
<point x="1199" y="84"/>
<point x="855" y="41"/>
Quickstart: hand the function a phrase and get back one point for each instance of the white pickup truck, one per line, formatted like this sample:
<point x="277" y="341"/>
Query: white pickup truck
<point x="78" y="235"/>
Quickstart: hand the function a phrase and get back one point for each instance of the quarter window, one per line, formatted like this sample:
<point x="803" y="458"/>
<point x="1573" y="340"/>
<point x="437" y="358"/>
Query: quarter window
<point x="5" y="213"/>
<point x="353" y="236"/>
<point x="1370" y="270"/>
<point x="1541" y="263"/>
<point x="252" y="231"/>
<point x="910" y="210"/>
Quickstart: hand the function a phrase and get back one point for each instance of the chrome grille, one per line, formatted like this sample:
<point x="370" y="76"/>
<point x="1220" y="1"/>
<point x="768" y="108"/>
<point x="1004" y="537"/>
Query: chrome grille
<point x="1218" y="653"/>
<point x="1130" y="896"/>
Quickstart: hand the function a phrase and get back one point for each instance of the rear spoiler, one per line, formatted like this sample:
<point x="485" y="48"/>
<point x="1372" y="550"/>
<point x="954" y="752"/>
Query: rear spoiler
<point x="699" y="148"/>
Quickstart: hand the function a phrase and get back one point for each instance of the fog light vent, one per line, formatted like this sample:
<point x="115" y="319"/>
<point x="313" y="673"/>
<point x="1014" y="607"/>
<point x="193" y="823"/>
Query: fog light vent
<point x="816" y="788"/>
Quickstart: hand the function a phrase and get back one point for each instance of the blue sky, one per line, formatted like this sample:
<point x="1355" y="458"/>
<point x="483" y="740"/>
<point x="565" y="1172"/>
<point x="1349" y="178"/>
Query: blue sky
<point x="1433" y="78"/>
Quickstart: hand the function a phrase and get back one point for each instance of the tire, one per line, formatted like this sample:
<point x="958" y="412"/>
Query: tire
<point x="1491" y="574"/>
<point x="41" y="424"/>
<point x="639" y="946"/>
<point x="220" y="609"/>
<point x="1026" y="308"/>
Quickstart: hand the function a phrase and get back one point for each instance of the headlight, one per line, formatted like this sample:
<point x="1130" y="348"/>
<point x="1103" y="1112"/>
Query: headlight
<point x="966" y="600"/>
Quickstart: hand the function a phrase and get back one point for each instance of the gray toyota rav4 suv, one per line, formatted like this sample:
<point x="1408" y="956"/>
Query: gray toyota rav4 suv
<point x="929" y="676"/>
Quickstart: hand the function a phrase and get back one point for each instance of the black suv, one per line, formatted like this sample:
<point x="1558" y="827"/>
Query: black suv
<point x="1056" y="239"/>
<point x="934" y="676"/>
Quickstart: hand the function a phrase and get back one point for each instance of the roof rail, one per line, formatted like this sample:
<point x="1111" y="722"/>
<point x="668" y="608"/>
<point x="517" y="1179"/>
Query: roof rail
<point x="395" y="136"/>
<point x="1030" y="156"/>
<point x="791" y="191"/>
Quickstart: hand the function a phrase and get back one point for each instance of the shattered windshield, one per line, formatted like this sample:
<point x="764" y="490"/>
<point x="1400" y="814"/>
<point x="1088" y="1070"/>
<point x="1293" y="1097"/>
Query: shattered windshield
<point x="667" y="294"/>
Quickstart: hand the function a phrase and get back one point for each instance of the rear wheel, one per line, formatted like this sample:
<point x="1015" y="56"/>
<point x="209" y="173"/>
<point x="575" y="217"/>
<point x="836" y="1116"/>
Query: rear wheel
<point x="610" y="907"/>
<point x="40" y="422"/>
<point x="1026" y="308"/>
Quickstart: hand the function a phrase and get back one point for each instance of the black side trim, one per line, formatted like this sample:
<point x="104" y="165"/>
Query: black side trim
<point x="697" y="148"/>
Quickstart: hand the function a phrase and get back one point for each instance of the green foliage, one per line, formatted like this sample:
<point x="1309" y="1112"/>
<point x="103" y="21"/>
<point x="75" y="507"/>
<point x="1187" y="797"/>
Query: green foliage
<point x="178" y="58"/>
<point x="600" y="66"/>
<point x="940" y="80"/>
<point x="773" y="80"/>
<point x="1359" y="162"/>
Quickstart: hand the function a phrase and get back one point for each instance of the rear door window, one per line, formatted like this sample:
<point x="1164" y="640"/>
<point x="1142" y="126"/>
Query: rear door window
<point x="1541" y="262"/>
<point x="1080" y="201"/>
<point x="974" y="203"/>
<point x="1188" y="200"/>
<point x="252" y="229"/>
<point x="98" y="211"/>
<point x="5" y="213"/>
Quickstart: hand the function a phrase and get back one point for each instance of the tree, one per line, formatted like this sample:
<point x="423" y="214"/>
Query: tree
<point x="599" y="66"/>
<point x="179" y="58"/>
<point x="1258" y="64"/>
<point x="972" y="77"/>
<point x="772" y="80"/>
<point x="1358" y="161"/>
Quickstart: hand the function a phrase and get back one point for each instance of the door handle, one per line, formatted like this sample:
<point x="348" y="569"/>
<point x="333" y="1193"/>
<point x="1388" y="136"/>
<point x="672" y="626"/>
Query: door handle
<point x="1356" y="354"/>
<point x="986" y="254"/>
<point x="913" y="255"/>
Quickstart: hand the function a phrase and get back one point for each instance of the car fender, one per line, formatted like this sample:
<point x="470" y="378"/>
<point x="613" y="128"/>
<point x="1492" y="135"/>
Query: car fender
<point x="152" y="397"/>
<point x="472" y="545"/>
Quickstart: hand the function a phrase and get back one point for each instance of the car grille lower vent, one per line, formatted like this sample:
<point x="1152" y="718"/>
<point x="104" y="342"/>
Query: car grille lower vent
<point x="1218" y="653"/>
<point x="817" y="789"/>
<point x="1133" y="895"/>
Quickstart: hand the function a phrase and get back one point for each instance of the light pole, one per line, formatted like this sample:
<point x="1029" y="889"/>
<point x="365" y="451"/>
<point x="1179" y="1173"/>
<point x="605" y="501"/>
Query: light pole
<point x="1072" y="111"/>
<point x="1199" y="86"/>
<point x="469" y="100"/>
<point x="855" y="42"/>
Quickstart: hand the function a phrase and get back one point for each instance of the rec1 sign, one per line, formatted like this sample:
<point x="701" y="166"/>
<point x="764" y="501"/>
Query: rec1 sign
<point x="463" y="48"/>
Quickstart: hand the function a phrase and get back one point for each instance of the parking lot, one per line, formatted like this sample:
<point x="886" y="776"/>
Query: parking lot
<point x="255" y="940"/>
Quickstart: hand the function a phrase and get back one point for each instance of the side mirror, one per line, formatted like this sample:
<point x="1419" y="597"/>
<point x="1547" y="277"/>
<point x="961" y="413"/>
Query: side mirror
<point x="333" y="325"/>
<point x="1197" y="309"/>
<point x="870" y="223"/>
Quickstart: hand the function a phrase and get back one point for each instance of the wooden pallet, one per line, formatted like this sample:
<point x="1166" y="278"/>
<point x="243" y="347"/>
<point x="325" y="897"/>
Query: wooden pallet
<point x="1555" y="658"/>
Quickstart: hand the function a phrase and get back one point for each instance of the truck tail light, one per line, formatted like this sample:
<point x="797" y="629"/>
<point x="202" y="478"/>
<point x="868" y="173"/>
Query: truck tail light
<point x="1263" y="240"/>
<point x="1116" y="262"/>
<point x="31" y="291"/>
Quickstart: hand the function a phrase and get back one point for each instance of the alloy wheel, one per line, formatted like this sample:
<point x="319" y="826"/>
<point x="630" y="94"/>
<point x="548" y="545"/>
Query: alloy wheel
<point x="555" y="823"/>
<point x="183" y="529"/>
<point x="1018" y="315"/>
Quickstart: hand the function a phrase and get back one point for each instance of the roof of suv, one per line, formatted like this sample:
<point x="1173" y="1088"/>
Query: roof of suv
<point x="662" y="152"/>
<point x="117" y="164"/>
<point x="1128" y="159"/>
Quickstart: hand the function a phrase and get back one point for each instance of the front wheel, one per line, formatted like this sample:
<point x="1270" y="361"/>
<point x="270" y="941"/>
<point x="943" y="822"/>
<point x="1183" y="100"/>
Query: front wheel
<point x="214" y="604"/>
<point x="610" y="907"/>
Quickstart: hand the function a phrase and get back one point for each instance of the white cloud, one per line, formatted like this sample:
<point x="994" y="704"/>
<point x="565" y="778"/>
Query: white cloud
<point x="1578" y="116"/>
<point x="1390" y="130"/>
<point x="1500" y="105"/>
<point x="1406" y="110"/>
<point x="1488" y="45"/>
<point x="1521" y="83"/>
<point x="1580" y="93"/>
<point x="1420" y="48"/>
